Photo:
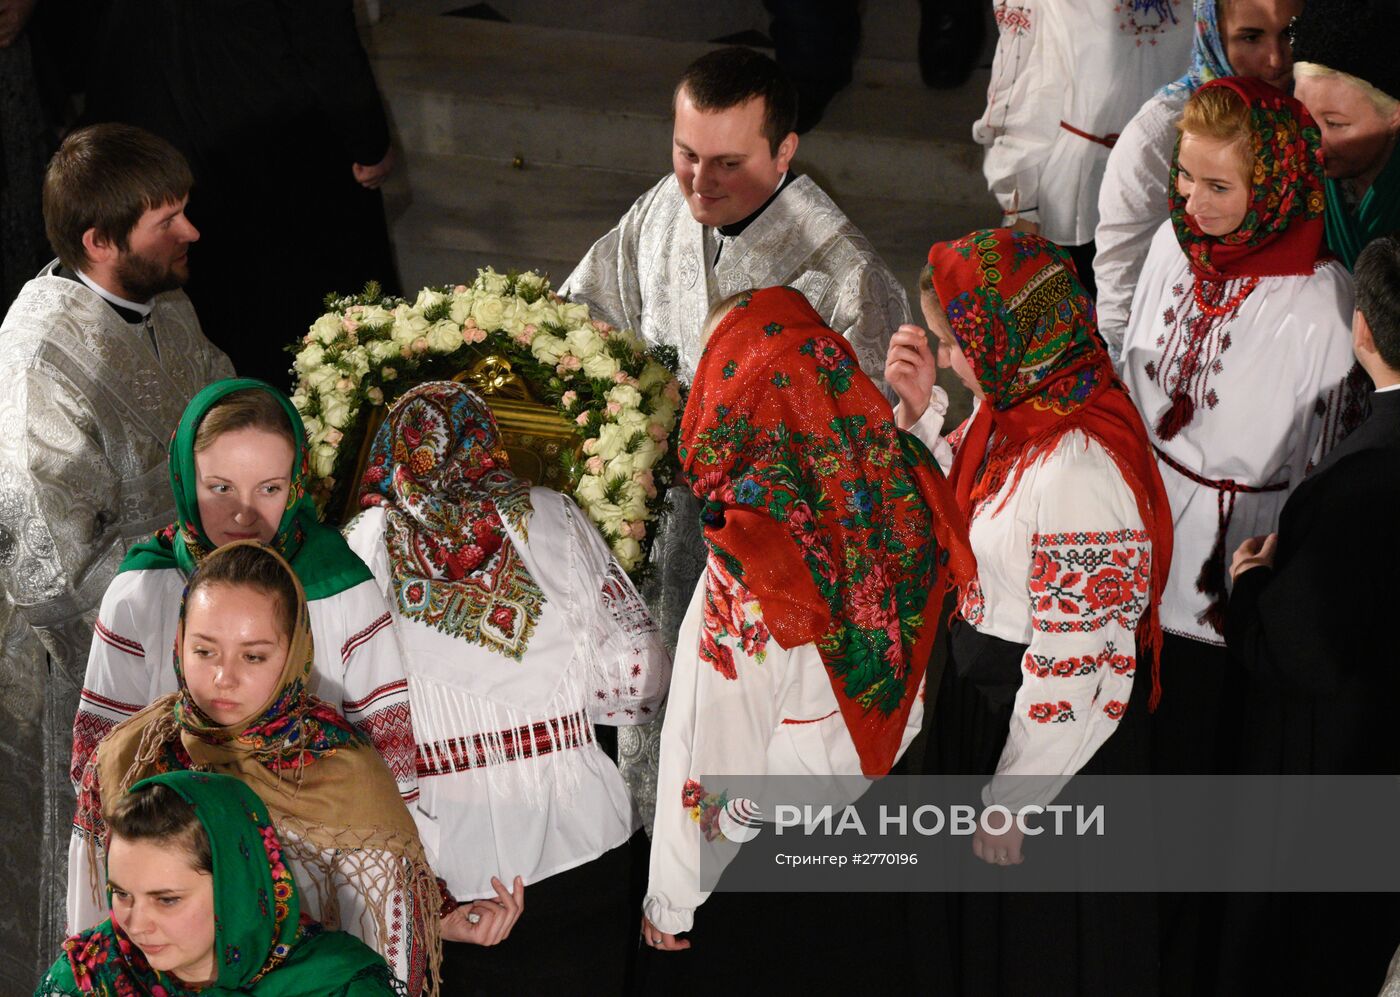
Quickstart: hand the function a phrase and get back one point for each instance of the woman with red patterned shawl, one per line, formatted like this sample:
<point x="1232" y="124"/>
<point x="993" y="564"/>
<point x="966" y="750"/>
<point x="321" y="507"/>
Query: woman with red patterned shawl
<point x="831" y="539"/>
<point x="1072" y="534"/>
<point x="1237" y="355"/>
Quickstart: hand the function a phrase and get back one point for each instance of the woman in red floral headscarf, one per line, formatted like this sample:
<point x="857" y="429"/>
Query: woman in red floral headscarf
<point x="1072" y="535"/>
<point x="1237" y="354"/>
<point x="832" y="537"/>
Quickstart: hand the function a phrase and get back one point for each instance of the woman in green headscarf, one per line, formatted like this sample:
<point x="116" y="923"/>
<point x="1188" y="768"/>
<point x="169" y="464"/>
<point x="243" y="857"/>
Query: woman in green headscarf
<point x="1347" y="76"/>
<point x="238" y="469"/>
<point x="203" y="903"/>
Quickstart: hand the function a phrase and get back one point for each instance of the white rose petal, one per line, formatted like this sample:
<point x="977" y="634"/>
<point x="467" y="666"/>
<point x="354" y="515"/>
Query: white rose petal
<point x="600" y="366"/>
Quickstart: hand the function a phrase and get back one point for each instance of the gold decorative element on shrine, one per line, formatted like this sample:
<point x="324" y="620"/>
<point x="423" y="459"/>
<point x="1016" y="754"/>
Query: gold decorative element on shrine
<point x="535" y="435"/>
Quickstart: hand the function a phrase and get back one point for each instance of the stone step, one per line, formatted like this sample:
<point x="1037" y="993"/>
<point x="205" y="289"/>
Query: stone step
<point x="450" y="215"/>
<point x="566" y="97"/>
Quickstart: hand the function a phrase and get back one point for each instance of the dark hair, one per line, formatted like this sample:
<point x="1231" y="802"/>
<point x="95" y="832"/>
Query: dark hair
<point x="247" y="408"/>
<point x="729" y="77"/>
<point x="105" y="177"/>
<point x="253" y="566"/>
<point x="158" y="813"/>
<point x="1377" y="276"/>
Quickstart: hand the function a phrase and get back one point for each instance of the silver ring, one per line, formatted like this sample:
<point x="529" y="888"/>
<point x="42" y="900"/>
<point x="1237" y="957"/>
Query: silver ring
<point x="473" y="917"/>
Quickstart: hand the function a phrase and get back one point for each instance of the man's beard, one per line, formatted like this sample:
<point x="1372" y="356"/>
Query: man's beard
<point x="143" y="278"/>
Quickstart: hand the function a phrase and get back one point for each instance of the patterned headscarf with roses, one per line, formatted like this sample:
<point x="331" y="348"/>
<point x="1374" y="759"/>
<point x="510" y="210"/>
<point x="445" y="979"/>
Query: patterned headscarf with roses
<point x="439" y="468"/>
<point x="838" y="523"/>
<point x="1283" y="229"/>
<point x="1026" y="325"/>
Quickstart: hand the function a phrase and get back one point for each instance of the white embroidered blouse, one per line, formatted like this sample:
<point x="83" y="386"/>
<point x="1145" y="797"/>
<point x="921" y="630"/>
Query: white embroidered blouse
<point x="359" y="666"/>
<point x="1064" y="567"/>
<point x="1064" y="70"/>
<point x="776" y="714"/>
<point x="1270" y="392"/>
<point x="512" y="780"/>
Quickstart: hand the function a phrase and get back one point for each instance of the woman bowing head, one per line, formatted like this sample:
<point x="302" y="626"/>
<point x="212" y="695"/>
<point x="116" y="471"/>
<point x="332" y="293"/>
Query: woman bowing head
<point x="202" y="902"/>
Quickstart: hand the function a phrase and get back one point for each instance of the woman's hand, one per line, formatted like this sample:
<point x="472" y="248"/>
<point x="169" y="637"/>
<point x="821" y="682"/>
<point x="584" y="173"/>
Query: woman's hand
<point x="1256" y="552"/>
<point x="910" y="368"/>
<point x="486" y="922"/>
<point x="998" y="849"/>
<point x="662" y="941"/>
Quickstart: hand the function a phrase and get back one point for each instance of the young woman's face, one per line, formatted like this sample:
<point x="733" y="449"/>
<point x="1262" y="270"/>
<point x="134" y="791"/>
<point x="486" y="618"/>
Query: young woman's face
<point x="234" y="651"/>
<point x="1256" y="38"/>
<point x="165" y="905"/>
<point x="1211" y="176"/>
<point x="1356" y="138"/>
<point x="950" y="354"/>
<point x="242" y="481"/>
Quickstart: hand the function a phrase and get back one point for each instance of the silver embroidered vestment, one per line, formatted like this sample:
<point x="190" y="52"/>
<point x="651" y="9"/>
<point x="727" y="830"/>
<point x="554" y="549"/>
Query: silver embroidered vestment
<point x="86" y="411"/>
<point x="655" y="272"/>
<point x="650" y="273"/>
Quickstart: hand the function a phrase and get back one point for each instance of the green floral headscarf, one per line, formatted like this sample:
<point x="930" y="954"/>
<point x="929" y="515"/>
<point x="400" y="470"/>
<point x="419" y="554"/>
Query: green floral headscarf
<point x="262" y="947"/>
<point x="319" y="554"/>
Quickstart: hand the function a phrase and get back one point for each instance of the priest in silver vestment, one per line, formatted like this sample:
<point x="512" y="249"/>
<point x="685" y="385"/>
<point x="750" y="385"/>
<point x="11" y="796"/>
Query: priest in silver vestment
<point x="99" y="354"/>
<point x="732" y="216"/>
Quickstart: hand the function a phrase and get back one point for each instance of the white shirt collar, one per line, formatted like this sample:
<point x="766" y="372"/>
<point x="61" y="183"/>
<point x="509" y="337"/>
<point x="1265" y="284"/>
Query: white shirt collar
<point x="1389" y="387"/>
<point x="139" y="309"/>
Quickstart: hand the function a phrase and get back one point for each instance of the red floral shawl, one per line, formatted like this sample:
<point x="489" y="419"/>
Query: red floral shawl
<point x="1026" y="325"/>
<point x="839" y="524"/>
<point x="1283" y="231"/>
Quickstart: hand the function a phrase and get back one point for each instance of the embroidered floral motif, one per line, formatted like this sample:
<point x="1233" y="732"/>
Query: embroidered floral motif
<point x="1052" y="713"/>
<point x="728" y="612"/>
<point x="1114" y="710"/>
<point x="1079" y="582"/>
<point x="704" y="808"/>
<point x="1013" y="19"/>
<point x="974" y="604"/>
<point x="1049" y="665"/>
<point x="1146" y="18"/>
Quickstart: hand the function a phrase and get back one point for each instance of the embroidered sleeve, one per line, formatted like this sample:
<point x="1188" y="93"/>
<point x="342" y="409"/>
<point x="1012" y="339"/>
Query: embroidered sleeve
<point x="1021" y="120"/>
<point x="118" y="680"/>
<point x="928" y="429"/>
<point x="1087" y="589"/>
<point x="720" y="718"/>
<point x="619" y="641"/>
<point x="375" y="693"/>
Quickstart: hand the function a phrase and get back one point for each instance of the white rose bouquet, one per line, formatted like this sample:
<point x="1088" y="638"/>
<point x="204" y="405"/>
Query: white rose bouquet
<point x="368" y="349"/>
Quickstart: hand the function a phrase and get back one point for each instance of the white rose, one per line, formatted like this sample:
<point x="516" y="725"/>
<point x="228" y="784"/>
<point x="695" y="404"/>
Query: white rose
<point x="309" y="358"/>
<point x="584" y="342"/>
<point x="548" y="349"/>
<point x="321" y="379"/>
<point x="408" y="325"/>
<point x="313" y="427"/>
<point x="600" y="366"/>
<point x="589" y="490"/>
<point x="490" y="282"/>
<point x="612" y="440"/>
<point x="335" y="410"/>
<point x="663" y="412"/>
<point x="299" y="399"/>
<point x="355" y="362"/>
<point x="530" y="281"/>
<point x="380" y="350"/>
<point x="444" y="336"/>
<point x="489" y="312"/>
<point x="626" y="396"/>
<point x="621" y="466"/>
<point x="646" y="455"/>
<point x="428" y="298"/>
<point x="375" y="317"/>
<point x="634" y="501"/>
<point x="461" y="308"/>
<point x="541" y="312"/>
<point x="633" y="341"/>
<point x="513" y="311"/>
<point x="322" y="460"/>
<point x="573" y="313"/>
<point x="628" y="553"/>
<point x="327" y="328"/>
<point x="631" y="421"/>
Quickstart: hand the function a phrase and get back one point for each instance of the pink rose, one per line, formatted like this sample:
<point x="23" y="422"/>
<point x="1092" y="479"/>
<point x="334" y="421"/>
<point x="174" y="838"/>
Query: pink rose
<point x="638" y="529"/>
<point x="582" y="420"/>
<point x="344" y="385"/>
<point x="570" y="362"/>
<point x="568" y="398"/>
<point x="420" y="345"/>
<point x="672" y="391"/>
<point x="613" y="408"/>
<point x="460" y="289"/>
<point x="620" y="377"/>
<point x="595" y="465"/>
<point x="334" y="436"/>
<point x="657" y="431"/>
<point x="349" y="324"/>
<point x="471" y="334"/>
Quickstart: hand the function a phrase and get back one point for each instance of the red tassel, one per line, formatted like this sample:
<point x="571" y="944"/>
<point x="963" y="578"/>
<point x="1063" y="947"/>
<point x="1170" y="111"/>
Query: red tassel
<point x="1176" y="418"/>
<point x="1211" y="582"/>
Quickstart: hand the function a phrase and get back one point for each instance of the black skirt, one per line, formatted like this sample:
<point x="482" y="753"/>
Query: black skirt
<point x="1032" y="944"/>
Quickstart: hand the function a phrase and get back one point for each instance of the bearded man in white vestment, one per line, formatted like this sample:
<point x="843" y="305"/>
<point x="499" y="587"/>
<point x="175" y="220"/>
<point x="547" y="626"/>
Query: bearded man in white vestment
<point x="99" y="355"/>
<point x="733" y="216"/>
